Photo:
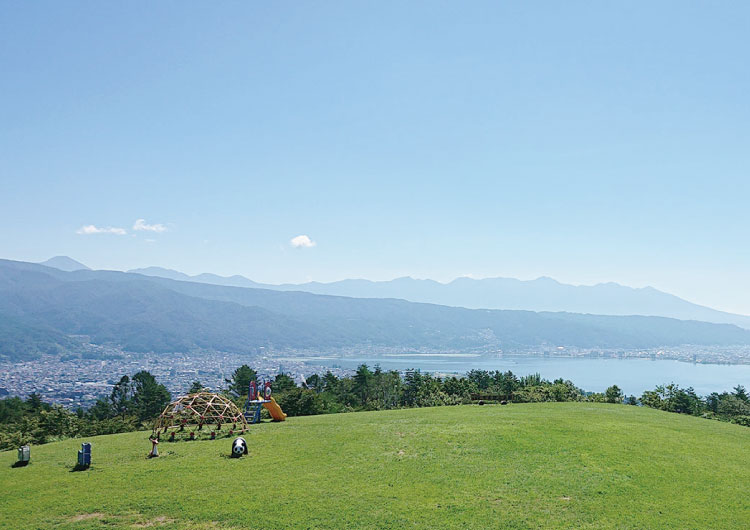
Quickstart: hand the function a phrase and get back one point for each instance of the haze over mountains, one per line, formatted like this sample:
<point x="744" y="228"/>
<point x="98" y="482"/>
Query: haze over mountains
<point x="542" y="294"/>
<point x="44" y="308"/>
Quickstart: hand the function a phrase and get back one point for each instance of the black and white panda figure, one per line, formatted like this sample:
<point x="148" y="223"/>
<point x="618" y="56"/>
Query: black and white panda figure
<point x="239" y="447"/>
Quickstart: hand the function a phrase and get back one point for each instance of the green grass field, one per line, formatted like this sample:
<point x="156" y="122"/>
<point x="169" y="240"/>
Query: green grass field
<point x="566" y="465"/>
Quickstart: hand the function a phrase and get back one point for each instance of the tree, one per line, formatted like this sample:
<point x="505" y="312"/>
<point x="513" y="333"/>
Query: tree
<point x="196" y="387"/>
<point x="282" y="383"/>
<point x="362" y="382"/>
<point x="429" y="392"/>
<point x="330" y="382"/>
<point x="149" y="396"/>
<point x="121" y="396"/>
<point x="741" y="394"/>
<point x="58" y="422"/>
<point x="562" y="390"/>
<point x="732" y="406"/>
<point x="613" y="394"/>
<point x="34" y="402"/>
<point x="313" y="382"/>
<point x="653" y="398"/>
<point x="240" y="381"/>
<point x="386" y="389"/>
<point x="531" y="380"/>
<point x="11" y="410"/>
<point x="458" y="386"/>
<point x="507" y="383"/>
<point x="481" y="378"/>
<point x="686" y="401"/>
<point x="301" y="402"/>
<point x="713" y="400"/>
<point x="102" y="409"/>
<point x="412" y="384"/>
<point x="672" y="398"/>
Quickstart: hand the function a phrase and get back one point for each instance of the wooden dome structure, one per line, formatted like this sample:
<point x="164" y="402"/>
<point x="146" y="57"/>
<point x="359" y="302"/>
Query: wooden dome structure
<point x="193" y="411"/>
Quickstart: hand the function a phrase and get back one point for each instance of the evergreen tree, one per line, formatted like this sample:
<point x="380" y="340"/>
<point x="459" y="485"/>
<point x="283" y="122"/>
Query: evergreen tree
<point x="613" y="394"/>
<point x="363" y="379"/>
<point x="149" y="397"/>
<point x="330" y="382"/>
<point x="101" y="410"/>
<point x="282" y="383"/>
<point x="313" y="382"/>
<point x="240" y="381"/>
<point x="121" y="395"/>
<point x="196" y="387"/>
<point x="34" y="402"/>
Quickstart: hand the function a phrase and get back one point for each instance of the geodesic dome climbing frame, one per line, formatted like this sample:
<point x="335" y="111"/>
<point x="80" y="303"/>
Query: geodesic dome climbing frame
<point x="196" y="410"/>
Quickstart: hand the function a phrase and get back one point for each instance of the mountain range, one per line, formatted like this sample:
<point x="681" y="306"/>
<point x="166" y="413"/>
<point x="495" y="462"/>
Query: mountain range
<point x="44" y="308"/>
<point x="542" y="294"/>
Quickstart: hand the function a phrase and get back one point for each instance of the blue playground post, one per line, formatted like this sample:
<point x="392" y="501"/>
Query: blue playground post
<point x="256" y="414"/>
<point x="84" y="455"/>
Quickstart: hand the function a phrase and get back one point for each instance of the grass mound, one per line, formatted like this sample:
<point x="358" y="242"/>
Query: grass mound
<point x="567" y="465"/>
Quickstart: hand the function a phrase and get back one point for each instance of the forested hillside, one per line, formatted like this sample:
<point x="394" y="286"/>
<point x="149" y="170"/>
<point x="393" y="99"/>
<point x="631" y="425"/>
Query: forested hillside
<point x="144" y="314"/>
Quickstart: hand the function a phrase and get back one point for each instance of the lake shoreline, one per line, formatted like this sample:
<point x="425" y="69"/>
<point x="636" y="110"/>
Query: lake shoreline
<point x="592" y="374"/>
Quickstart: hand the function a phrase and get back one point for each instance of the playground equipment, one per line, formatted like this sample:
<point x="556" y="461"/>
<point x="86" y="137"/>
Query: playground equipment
<point x="193" y="411"/>
<point x="257" y="400"/>
<point x="239" y="447"/>
<point x="84" y="455"/>
<point x="154" y="448"/>
<point x="24" y="455"/>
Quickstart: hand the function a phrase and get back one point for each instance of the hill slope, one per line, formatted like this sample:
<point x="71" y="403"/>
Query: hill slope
<point x="566" y="465"/>
<point x="145" y="314"/>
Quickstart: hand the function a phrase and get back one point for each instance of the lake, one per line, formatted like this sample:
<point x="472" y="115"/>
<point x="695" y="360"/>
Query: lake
<point x="633" y="376"/>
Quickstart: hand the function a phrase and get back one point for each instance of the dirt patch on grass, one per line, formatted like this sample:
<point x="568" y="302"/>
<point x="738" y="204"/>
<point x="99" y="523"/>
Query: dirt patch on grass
<point x="156" y="521"/>
<point x="86" y="517"/>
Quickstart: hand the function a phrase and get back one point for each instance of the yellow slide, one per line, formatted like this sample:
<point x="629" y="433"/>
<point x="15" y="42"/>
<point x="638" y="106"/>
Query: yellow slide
<point x="274" y="410"/>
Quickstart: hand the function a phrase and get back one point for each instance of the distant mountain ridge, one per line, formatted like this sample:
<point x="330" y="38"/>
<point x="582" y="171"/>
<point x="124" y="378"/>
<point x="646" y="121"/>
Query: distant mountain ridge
<point x="542" y="294"/>
<point x="45" y="309"/>
<point x="215" y="279"/>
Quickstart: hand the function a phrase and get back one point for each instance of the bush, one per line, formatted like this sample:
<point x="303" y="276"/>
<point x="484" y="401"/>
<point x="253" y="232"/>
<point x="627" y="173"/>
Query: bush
<point x="300" y="402"/>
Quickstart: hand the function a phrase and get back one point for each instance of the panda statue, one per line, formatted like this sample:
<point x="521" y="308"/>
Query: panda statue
<point x="239" y="447"/>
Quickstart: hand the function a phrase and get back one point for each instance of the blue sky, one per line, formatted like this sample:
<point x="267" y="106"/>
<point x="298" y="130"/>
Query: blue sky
<point x="578" y="140"/>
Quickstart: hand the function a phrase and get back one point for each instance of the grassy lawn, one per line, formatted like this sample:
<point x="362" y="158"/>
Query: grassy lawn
<point x="566" y="465"/>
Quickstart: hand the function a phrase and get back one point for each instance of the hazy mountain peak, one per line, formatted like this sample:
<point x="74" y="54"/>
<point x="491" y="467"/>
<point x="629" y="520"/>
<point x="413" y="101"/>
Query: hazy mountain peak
<point x="547" y="279"/>
<point x="65" y="263"/>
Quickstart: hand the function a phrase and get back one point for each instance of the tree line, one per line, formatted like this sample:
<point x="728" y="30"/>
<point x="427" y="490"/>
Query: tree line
<point x="135" y="402"/>
<point x="132" y="404"/>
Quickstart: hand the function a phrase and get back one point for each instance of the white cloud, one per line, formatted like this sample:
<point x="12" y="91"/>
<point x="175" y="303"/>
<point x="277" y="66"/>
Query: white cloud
<point x="302" y="241"/>
<point x="92" y="229"/>
<point x="140" y="224"/>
